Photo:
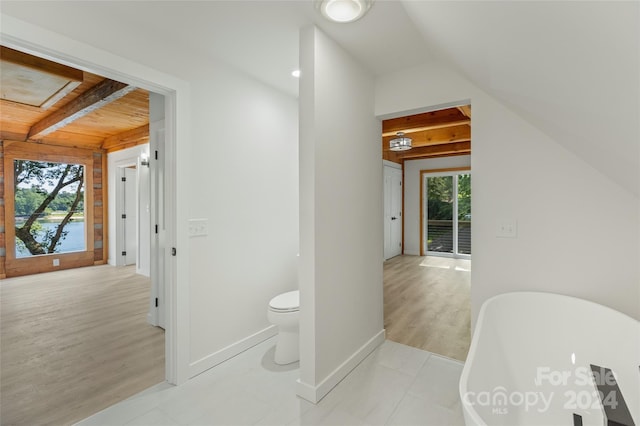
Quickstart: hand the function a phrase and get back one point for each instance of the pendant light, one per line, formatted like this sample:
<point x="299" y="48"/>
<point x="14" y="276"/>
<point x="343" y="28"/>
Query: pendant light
<point x="400" y="142"/>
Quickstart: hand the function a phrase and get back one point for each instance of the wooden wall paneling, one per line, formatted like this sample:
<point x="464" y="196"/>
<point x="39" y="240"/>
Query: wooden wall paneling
<point x="9" y="223"/>
<point x="41" y="152"/>
<point x="105" y="210"/>
<point x="98" y="251"/>
<point x="3" y="243"/>
<point x="39" y="264"/>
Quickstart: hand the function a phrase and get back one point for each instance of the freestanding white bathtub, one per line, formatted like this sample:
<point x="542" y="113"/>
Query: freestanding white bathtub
<point x="530" y="356"/>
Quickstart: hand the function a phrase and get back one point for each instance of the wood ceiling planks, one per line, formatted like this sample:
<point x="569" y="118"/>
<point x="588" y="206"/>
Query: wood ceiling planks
<point x="441" y="133"/>
<point x="98" y="123"/>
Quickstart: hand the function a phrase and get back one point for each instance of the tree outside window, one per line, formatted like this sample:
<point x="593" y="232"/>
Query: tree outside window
<point x="49" y="207"/>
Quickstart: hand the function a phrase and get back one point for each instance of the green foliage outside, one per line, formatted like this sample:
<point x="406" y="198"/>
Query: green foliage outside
<point x="43" y="189"/>
<point x="27" y="201"/>
<point x="440" y="197"/>
<point x="464" y="197"/>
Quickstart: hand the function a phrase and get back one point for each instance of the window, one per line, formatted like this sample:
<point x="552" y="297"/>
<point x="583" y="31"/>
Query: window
<point x="53" y="220"/>
<point x="48" y="208"/>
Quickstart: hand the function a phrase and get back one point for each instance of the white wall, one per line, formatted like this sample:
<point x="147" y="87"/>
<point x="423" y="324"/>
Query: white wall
<point x="124" y="158"/>
<point x="577" y="231"/>
<point x="411" y="187"/>
<point x="244" y="180"/>
<point x="341" y="236"/>
<point x="235" y="162"/>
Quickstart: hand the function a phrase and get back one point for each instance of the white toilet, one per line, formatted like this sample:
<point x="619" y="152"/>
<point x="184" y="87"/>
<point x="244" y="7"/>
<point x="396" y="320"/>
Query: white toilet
<point x="284" y="311"/>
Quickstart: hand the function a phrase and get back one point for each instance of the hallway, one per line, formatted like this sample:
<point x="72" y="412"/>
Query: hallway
<point x="427" y="304"/>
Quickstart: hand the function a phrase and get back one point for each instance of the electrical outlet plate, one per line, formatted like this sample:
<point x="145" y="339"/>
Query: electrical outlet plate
<point x="507" y="229"/>
<point x="56" y="262"/>
<point x="198" y="227"/>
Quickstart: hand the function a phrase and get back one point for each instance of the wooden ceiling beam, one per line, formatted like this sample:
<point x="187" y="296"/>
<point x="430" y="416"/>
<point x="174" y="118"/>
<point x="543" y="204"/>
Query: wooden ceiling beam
<point x="132" y="137"/>
<point x="409" y="131"/>
<point x="446" y="135"/>
<point x="457" y="148"/>
<point x="424" y="120"/>
<point x="8" y="135"/>
<point x="465" y="109"/>
<point x="95" y="98"/>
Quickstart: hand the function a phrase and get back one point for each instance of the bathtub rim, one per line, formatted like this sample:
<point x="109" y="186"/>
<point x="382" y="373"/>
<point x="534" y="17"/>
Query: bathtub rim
<point x="464" y="377"/>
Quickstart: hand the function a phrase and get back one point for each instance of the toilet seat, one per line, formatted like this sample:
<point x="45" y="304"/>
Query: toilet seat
<point x="286" y="302"/>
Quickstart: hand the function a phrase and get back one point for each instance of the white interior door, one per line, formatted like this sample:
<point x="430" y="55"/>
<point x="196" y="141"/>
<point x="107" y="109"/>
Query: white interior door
<point x="392" y="212"/>
<point x="158" y="222"/>
<point x="128" y="216"/>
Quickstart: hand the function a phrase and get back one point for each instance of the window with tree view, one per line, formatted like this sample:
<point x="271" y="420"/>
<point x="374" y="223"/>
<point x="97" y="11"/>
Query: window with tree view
<point x="49" y="208"/>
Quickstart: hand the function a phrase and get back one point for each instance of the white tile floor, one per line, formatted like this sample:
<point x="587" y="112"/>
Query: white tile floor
<point x="395" y="385"/>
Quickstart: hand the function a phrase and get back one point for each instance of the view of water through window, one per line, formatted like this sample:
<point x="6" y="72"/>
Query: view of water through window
<point x="49" y="208"/>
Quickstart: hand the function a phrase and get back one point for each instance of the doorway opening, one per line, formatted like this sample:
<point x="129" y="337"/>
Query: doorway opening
<point x="167" y="346"/>
<point x="427" y="286"/>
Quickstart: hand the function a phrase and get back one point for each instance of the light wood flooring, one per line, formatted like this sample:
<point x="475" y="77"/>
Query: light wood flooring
<point x="427" y="304"/>
<point x="75" y="342"/>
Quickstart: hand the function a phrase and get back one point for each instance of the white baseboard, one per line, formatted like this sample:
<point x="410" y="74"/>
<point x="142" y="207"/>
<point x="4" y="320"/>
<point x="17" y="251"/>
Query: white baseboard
<point x="411" y="252"/>
<point x="316" y="393"/>
<point x="230" y="351"/>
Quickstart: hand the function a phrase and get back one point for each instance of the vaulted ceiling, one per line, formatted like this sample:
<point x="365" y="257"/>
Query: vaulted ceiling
<point x="49" y="103"/>
<point x="569" y="68"/>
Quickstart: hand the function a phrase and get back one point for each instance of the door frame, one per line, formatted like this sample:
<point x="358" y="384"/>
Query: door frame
<point x="35" y="40"/>
<point x="423" y="175"/>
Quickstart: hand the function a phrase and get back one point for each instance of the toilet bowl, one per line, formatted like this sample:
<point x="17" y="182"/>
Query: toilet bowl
<point x="284" y="311"/>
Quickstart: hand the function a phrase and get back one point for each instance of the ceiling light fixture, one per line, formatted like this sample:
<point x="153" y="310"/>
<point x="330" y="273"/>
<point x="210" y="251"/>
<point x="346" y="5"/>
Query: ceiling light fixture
<point x="343" y="11"/>
<point x="400" y="142"/>
<point x="295" y="73"/>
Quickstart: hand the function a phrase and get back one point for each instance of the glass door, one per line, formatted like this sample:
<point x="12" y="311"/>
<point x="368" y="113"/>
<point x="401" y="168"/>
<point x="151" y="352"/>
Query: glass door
<point x="440" y="214"/>
<point x="464" y="213"/>
<point x="447" y="206"/>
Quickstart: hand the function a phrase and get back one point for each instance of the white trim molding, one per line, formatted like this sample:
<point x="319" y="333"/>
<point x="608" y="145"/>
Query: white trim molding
<point x="215" y="358"/>
<point x="316" y="393"/>
<point x="388" y="163"/>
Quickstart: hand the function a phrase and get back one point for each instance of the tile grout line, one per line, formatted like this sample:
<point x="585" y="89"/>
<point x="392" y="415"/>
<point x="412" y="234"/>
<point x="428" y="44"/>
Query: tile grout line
<point x="404" y="395"/>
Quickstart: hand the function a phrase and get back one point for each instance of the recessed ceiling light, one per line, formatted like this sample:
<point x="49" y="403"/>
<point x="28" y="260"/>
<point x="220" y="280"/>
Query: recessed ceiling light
<point x="343" y="11"/>
<point x="295" y="73"/>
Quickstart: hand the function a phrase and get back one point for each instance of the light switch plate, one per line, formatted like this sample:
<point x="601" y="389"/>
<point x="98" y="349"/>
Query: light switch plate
<point x="507" y="229"/>
<point x="198" y="227"/>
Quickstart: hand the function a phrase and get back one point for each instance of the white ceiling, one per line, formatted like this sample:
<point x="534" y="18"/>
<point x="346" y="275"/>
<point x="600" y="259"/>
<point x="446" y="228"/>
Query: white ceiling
<point x="257" y="37"/>
<point x="569" y="68"/>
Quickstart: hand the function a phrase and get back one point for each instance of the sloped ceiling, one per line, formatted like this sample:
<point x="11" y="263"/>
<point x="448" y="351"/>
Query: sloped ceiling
<point x="259" y="38"/>
<point x="569" y="68"/>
